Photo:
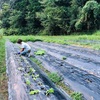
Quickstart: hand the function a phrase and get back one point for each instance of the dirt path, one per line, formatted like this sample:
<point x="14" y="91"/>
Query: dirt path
<point x="81" y="69"/>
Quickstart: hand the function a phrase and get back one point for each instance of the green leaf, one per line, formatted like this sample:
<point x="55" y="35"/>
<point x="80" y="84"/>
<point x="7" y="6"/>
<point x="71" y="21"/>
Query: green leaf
<point x="28" y="82"/>
<point x="50" y="91"/>
<point x="34" y="92"/>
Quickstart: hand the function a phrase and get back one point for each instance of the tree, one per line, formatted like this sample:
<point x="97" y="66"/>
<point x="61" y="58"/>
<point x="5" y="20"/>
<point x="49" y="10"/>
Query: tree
<point x="74" y="13"/>
<point x="33" y="23"/>
<point x="54" y="18"/>
<point x="5" y="15"/>
<point x="64" y="3"/>
<point x="90" y="16"/>
<point x="23" y="16"/>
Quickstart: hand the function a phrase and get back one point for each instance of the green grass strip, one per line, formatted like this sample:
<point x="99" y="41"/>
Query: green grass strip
<point x="3" y="78"/>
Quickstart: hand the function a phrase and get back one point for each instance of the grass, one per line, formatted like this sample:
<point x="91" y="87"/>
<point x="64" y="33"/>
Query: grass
<point x="3" y="78"/>
<point x="24" y="38"/>
<point x="54" y="77"/>
<point x="79" y="40"/>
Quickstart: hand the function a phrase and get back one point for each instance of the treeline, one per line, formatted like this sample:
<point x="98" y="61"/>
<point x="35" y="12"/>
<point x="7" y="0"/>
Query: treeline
<point x="50" y="17"/>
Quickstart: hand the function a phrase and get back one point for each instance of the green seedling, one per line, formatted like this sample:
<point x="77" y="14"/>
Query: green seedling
<point x="77" y="96"/>
<point x="40" y="83"/>
<point x="35" y="77"/>
<point x="40" y="52"/>
<point x="34" y="92"/>
<point x="26" y="75"/>
<point x="64" y="58"/>
<point x="20" y="69"/>
<point x="32" y="70"/>
<point x="28" y="82"/>
<point x="50" y="91"/>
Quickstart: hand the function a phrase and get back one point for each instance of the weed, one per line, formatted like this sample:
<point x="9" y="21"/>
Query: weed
<point x="54" y="77"/>
<point x="96" y="47"/>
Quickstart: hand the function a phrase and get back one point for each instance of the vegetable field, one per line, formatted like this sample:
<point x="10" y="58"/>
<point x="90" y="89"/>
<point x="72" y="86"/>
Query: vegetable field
<point x="53" y="72"/>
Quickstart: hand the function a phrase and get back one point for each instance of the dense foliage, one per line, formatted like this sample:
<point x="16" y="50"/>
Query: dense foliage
<point x="50" y="17"/>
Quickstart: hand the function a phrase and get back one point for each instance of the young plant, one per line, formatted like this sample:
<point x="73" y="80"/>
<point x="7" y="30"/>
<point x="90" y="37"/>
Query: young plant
<point x="40" y="83"/>
<point x="35" y="77"/>
<point x="32" y="70"/>
<point x="64" y="58"/>
<point x="33" y="92"/>
<point x="28" y="82"/>
<point x="50" y="91"/>
<point x="40" y="52"/>
<point x="26" y="75"/>
<point x="20" y="69"/>
<point x="77" y="96"/>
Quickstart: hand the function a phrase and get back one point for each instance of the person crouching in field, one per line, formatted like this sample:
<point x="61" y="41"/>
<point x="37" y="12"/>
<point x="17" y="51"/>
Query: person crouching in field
<point x="25" y="48"/>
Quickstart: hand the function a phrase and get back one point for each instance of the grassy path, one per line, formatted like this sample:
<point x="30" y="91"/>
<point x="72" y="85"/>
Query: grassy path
<point x="3" y="79"/>
<point x="88" y="41"/>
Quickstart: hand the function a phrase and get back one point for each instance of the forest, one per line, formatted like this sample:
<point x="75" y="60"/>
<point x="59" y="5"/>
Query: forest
<point x="49" y="17"/>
